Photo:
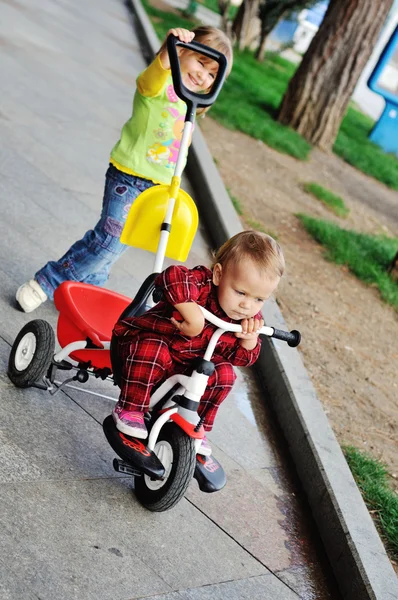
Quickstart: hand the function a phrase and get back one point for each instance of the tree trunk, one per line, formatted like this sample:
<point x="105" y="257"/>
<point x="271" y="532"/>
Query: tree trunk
<point x="224" y="6"/>
<point x="245" y="22"/>
<point x="266" y="29"/>
<point x="319" y="92"/>
<point x="260" y="52"/>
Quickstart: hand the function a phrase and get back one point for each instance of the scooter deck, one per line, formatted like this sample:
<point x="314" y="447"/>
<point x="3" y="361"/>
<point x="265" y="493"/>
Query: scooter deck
<point x="209" y="474"/>
<point x="133" y="451"/>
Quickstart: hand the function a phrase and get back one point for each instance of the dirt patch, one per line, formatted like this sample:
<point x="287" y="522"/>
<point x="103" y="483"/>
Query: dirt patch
<point x="350" y="336"/>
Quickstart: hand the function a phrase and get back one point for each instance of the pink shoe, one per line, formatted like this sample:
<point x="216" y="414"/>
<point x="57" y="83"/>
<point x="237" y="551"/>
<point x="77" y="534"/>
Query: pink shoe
<point x="130" y="422"/>
<point x="205" y="448"/>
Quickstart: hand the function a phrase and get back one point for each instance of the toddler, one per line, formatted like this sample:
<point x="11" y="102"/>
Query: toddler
<point x="166" y="340"/>
<point x="145" y="155"/>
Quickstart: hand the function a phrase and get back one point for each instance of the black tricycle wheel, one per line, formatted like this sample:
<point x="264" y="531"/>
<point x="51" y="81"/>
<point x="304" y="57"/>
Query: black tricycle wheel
<point x="31" y="353"/>
<point x="176" y="451"/>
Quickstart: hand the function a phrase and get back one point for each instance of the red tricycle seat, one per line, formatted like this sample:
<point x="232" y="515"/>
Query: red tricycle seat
<point x="88" y="311"/>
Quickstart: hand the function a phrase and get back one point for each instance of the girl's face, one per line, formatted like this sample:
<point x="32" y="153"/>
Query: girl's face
<point x="243" y="288"/>
<point x="197" y="72"/>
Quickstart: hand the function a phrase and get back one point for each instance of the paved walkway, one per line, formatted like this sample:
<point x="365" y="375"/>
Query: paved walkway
<point x="70" y="527"/>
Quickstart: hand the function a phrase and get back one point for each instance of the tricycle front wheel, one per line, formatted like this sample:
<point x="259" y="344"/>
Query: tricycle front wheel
<point x="176" y="451"/>
<point x="31" y="353"/>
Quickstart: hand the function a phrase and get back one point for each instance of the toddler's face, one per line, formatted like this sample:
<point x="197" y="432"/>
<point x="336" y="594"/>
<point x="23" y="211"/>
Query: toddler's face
<point x="243" y="288"/>
<point x="197" y="72"/>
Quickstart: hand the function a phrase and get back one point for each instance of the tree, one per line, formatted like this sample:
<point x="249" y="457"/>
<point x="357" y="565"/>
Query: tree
<point x="271" y="12"/>
<point x="223" y="7"/>
<point x="320" y="90"/>
<point x="246" y="23"/>
<point x="256" y="19"/>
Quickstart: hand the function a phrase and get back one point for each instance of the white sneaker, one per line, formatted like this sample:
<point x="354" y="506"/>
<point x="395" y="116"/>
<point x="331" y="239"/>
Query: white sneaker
<point x="30" y="295"/>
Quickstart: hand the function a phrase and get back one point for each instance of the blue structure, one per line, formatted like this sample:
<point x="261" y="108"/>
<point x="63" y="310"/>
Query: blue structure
<point x="384" y="81"/>
<point x="284" y="31"/>
<point x="316" y="13"/>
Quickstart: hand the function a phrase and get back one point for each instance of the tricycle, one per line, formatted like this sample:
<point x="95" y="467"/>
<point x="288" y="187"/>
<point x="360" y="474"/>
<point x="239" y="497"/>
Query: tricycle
<point x="163" y="219"/>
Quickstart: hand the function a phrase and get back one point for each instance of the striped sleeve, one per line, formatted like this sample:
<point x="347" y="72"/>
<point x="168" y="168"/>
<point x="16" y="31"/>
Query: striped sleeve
<point x="239" y="356"/>
<point x="180" y="284"/>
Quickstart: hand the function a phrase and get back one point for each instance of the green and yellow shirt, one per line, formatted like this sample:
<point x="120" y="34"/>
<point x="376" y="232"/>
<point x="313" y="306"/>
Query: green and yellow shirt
<point x="150" y="139"/>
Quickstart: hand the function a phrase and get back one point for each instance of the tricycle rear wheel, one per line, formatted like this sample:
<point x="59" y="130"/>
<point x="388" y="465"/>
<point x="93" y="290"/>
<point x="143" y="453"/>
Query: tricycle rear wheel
<point x="31" y="353"/>
<point x="176" y="451"/>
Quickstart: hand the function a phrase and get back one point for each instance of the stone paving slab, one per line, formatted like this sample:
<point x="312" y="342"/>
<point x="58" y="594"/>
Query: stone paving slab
<point x="56" y="436"/>
<point x="264" y="587"/>
<point x="91" y="539"/>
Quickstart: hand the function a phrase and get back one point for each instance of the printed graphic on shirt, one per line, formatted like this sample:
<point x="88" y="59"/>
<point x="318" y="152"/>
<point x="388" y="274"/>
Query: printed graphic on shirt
<point x="167" y="137"/>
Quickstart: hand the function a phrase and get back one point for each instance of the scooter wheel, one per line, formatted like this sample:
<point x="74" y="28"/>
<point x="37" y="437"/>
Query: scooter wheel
<point x="31" y="353"/>
<point x="176" y="450"/>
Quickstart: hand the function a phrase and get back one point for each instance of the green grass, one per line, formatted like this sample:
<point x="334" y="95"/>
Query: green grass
<point x="252" y="94"/>
<point x="352" y="144"/>
<point x="213" y="5"/>
<point x="372" y="479"/>
<point x="237" y="203"/>
<point x="250" y="99"/>
<point x="367" y="256"/>
<point x="253" y="224"/>
<point x="333" y="202"/>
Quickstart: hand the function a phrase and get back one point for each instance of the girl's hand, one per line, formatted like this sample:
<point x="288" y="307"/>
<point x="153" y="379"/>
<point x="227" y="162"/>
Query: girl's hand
<point x="184" y="35"/>
<point x="249" y="334"/>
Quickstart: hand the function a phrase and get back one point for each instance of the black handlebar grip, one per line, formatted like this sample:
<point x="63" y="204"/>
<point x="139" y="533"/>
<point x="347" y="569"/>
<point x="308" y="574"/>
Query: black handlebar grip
<point x="192" y="99"/>
<point x="293" y="338"/>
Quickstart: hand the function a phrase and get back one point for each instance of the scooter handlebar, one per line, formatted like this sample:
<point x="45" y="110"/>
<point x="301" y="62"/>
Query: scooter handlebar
<point x="192" y="99"/>
<point x="292" y="338"/>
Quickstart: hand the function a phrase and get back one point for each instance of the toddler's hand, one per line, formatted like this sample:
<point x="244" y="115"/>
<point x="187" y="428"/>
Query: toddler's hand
<point x="188" y="329"/>
<point x="192" y="321"/>
<point x="250" y="328"/>
<point x="184" y="35"/>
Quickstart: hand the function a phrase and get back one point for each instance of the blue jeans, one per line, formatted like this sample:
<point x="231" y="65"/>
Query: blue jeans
<point x="90" y="259"/>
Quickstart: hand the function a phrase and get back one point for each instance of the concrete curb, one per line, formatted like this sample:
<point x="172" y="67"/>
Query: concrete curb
<point x="354" y="548"/>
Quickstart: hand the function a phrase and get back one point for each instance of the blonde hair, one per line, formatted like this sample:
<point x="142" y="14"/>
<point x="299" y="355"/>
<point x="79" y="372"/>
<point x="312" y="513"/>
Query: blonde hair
<point x="214" y="38"/>
<point x="261" y="248"/>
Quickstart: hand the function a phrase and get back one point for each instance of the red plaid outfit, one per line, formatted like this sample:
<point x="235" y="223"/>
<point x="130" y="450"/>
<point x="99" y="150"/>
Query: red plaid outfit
<point x="151" y="348"/>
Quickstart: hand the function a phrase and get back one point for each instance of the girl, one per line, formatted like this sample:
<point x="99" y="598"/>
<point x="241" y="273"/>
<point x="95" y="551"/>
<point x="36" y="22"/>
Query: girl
<point x="144" y="155"/>
<point x="168" y="338"/>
